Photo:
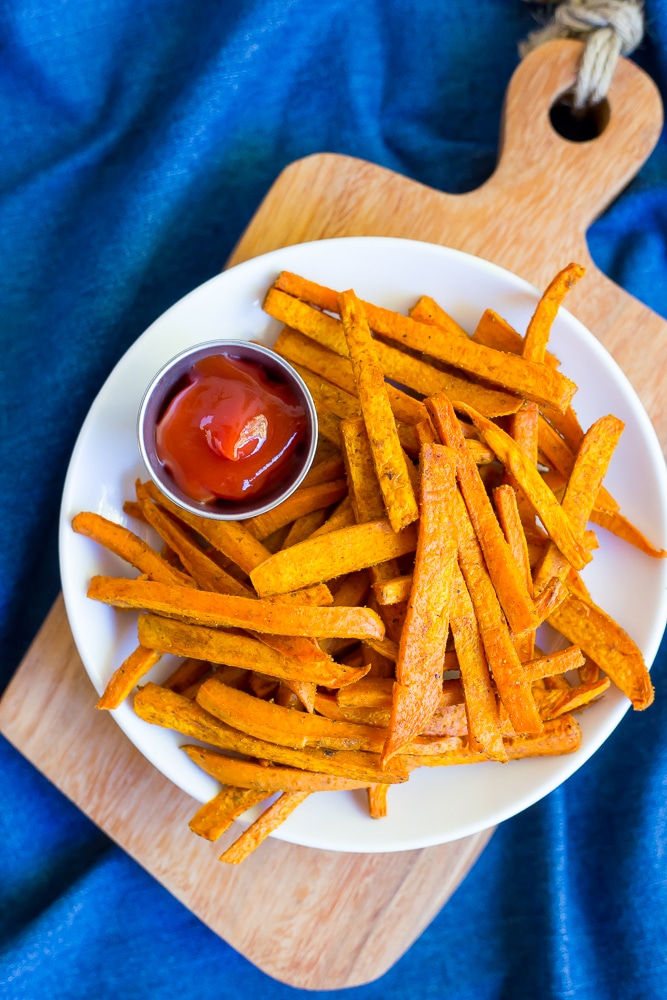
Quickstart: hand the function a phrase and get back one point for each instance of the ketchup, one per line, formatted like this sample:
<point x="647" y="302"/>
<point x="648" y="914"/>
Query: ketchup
<point x="229" y="431"/>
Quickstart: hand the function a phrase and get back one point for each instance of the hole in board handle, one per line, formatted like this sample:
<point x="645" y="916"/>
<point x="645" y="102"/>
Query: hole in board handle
<point x="579" y="124"/>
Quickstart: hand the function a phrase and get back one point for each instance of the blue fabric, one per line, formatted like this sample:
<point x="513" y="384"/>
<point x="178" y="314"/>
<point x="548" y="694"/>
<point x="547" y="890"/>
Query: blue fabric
<point x="138" y="138"/>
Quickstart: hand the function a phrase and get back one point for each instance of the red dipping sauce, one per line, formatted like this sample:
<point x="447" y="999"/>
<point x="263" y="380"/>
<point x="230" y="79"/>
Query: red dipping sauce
<point x="229" y="431"/>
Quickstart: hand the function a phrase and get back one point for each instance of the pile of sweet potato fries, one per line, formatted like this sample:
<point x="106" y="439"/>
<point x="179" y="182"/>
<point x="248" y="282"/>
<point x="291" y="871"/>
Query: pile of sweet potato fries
<point x="384" y="616"/>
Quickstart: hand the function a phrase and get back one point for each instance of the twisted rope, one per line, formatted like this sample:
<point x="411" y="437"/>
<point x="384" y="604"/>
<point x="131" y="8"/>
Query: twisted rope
<point x="609" y="27"/>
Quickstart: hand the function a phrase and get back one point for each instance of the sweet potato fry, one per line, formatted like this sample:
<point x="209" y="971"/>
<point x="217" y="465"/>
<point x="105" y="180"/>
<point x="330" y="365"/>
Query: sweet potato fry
<point x="267" y="721"/>
<point x="352" y="590"/>
<point x="325" y="470"/>
<point x="187" y="673"/>
<point x="549" y="599"/>
<point x="388" y="456"/>
<point x="304" y="526"/>
<point x="480" y="700"/>
<point x="553" y="703"/>
<point x="351" y="593"/>
<point x="269" y="821"/>
<point x="445" y="723"/>
<point x="559" y="736"/>
<point x="425" y="433"/>
<point x="375" y="692"/>
<point x="233" y="676"/>
<point x="328" y="424"/>
<point x="304" y="692"/>
<point x="525" y="423"/>
<point x="341" y="517"/>
<point x="203" y="608"/>
<point x="393" y="616"/>
<point x="533" y="381"/>
<point x="327" y="705"/>
<point x="508" y="515"/>
<point x="523" y="428"/>
<point x="551" y="664"/>
<point x="229" y="537"/>
<point x="132" y="509"/>
<point x="541" y="322"/>
<point x="128" y="675"/>
<point x="330" y="400"/>
<point x="297" y="730"/>
<point x="567" y="424"/>
<point x="260" y="685"/>
<point x="406" y="408"/>
<point x="286" y="697"/>
<point x="377" y="801"/>
<point x="393" y="591"/>
<point x="326" y="556"/>
<point x="426" y="746"/>
<point x="184" y="639"/>
<point x="607" y="644"/>
<point x="559" y="456"/>
<point x="396" y="364"/>
<point x="584" y="488"/>
<point x="620" y="526"/>
<point x="318" y="596"/>
<point x="494" y="331"/>
<point x="421" y="650"/>
<point x="385" y="647"/>
<point x="588" y="471"/>
<point x="379" y="665"/>
<point x="294" y="646"/>
<point x="216" y="816"/>
<point x="554" y="450"/>
<point x="426" y="310"/>
<point x="546" y="506"/>
<point x="500" y="652"/>
<point x="166" y="708"/>
<point x="480" y="454"/>
<point x="306" y="355"/>
<point x="343" y="402"/>
<point x="449" y="720"/>
<point x="589" y="673"/>
<point x="247" y="774"/>
<point x="205" y="572"/>
<point x="191" y="691"/>
<point x="506" y="574"/>
<point x="303" y="501"/>
<point x="554" y="682"/>
<point x="128" y="546"/>
<point x="365" y="492"/>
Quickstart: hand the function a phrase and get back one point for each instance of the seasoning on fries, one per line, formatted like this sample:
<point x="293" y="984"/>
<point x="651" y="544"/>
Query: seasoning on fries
<point x="384" y="617"/>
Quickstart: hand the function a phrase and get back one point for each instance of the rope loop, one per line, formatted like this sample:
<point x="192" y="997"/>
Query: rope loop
<point x="609" y="27"/>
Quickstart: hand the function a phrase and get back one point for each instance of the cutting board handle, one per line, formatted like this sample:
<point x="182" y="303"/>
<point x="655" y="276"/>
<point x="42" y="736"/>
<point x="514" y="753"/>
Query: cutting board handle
<point x="543" y="175"/>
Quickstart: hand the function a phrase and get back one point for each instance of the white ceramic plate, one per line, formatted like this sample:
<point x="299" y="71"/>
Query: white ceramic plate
<point x="436" y="805"/>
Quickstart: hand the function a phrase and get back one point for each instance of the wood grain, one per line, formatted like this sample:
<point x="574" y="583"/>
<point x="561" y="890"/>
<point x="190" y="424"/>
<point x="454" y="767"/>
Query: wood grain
<point x="316" y="919"/>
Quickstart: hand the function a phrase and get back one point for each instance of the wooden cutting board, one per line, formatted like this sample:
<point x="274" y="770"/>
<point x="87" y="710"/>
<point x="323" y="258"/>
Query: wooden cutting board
<point x="317" y="919"/>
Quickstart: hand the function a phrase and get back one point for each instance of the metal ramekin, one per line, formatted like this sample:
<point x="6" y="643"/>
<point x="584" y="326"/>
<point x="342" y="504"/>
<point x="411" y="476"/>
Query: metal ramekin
<point x="159" y="392"/>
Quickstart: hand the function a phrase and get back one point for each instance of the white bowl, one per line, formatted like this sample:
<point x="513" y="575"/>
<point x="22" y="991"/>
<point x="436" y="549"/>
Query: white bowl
<point x="438" y="805"/>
